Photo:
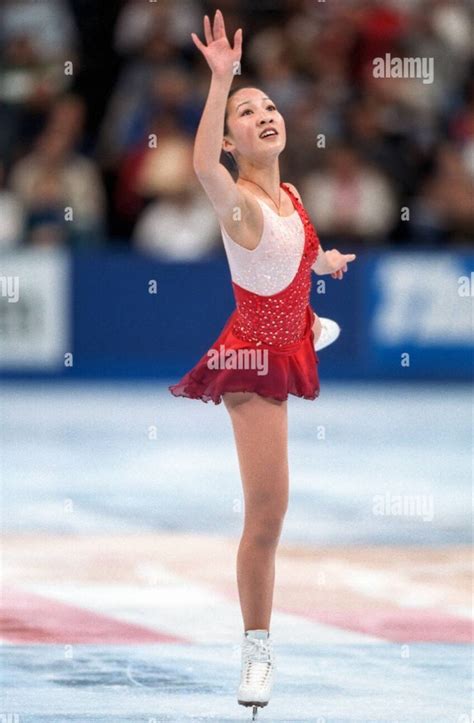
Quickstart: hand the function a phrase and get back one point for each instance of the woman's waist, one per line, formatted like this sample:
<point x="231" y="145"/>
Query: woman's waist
<point x="282" y="334"/>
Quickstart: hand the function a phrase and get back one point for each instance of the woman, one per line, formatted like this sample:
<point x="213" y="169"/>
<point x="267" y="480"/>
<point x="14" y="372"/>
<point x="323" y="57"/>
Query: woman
<point x="266" y="349"/>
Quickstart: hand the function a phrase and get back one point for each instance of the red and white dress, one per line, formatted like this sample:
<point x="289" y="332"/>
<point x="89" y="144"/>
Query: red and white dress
<point x="267" y="344"/>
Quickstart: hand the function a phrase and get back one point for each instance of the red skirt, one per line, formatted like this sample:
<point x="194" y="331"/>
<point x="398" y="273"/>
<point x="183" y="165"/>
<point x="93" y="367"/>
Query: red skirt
<point x="235" y="365"/>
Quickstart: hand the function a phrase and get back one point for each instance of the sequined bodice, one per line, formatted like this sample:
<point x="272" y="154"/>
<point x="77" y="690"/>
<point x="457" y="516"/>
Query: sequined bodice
<point x="271" y="266"/>
<point x="279" y="319"/>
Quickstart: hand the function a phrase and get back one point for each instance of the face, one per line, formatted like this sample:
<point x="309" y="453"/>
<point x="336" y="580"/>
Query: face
<point x="250" y="115"/>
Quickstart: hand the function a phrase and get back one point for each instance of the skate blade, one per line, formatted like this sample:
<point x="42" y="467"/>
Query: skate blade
<point x="248" y="705"/>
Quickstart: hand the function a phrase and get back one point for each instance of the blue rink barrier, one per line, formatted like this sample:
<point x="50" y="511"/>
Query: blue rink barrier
<point x="404" y="315"/>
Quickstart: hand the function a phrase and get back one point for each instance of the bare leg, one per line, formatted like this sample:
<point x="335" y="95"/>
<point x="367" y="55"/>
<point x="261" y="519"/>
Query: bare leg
<point x="261" y="433"/>
<point x="317" y="328"/>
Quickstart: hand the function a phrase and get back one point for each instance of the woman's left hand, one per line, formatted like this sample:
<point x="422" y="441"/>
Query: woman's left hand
<point x="337" y="263"/>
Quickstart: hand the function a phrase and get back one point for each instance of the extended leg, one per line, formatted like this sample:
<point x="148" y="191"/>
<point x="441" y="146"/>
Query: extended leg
<point x="261" y="432"/>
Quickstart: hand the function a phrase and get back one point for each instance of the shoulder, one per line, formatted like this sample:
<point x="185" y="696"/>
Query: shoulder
<point x="294" y="191"/>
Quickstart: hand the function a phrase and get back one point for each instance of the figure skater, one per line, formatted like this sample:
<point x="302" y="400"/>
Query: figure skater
<point x="268" y="347"/>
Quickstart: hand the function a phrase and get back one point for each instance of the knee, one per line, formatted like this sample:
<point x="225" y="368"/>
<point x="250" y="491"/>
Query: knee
<point x="266" y="530"/>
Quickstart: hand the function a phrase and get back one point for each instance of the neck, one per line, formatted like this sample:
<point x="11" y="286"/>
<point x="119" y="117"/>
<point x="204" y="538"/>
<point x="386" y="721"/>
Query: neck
<point x="267" y="177"/>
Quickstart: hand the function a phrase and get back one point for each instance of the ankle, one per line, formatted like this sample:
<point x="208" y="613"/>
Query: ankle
<point x="262" y="633"/>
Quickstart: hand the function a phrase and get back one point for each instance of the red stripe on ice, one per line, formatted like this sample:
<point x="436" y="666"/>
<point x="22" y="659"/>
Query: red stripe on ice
<point x="398" y="626"/>
<point x="30" y="618"/>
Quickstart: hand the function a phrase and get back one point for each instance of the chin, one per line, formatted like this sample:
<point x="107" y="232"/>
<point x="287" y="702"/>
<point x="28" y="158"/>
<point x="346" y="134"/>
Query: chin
<point x="272" y="151"/>
<point x="277" y="150"/>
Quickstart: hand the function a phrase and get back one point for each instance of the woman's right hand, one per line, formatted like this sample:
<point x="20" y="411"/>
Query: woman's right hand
<point x="222" y="59"/>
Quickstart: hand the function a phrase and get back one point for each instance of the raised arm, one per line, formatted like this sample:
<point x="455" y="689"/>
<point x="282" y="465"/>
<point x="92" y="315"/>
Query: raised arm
<point x="223" y="61"/>
<point x="216" y="180"/>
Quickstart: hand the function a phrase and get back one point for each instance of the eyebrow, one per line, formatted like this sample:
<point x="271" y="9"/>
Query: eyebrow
<point x="249" y="101"/>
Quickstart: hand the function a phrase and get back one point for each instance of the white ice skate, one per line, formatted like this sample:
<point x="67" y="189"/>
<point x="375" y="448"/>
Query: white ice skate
<point x="330" y="331"/>
<point x="258" y="664"/>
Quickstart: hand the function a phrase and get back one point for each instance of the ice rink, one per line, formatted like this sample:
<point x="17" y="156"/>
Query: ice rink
<point x="121" y="513"/>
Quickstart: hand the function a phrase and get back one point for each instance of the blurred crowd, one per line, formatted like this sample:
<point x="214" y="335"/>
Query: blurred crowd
<point x="100" y="102"/>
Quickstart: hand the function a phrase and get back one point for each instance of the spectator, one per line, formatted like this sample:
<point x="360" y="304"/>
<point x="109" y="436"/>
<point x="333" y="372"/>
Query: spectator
<point x="55" y="176"/>
<point x="462" y="129"/>
<point x="350" y="199"/>
<point x="444" y="207"/>
<point x="314" y="59"/>
<point x="48" y="24"/>
<point x="137" y="19"/>
<point x="272" y="59"/>
<point x="153" y="167"/>
<point x="180" y="227"/>
<point x="180" y="224"/>
<point x="26" y="77"/>
<point x="36" y="40"/>
<point x="148" y="87"/>
<point x="46" y="223"/>
<point x="11" y="217"/>
<point x="383" y="135"/>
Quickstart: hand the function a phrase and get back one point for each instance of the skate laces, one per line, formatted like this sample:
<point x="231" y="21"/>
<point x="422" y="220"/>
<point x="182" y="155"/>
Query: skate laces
<point x="258" y="661"/>
<point x="258" y="650"/>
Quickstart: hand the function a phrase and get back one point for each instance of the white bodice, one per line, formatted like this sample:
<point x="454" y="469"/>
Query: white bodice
<point x="270" y="267"/>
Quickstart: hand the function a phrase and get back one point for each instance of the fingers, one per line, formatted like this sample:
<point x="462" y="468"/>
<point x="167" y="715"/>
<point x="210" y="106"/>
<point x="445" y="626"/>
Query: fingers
<point x="238" y="41"/>
<point x="198" y="43"/>
<point x="345" y="258"/>
<point x="207" y="30"/>
<point x="219" y="25"/>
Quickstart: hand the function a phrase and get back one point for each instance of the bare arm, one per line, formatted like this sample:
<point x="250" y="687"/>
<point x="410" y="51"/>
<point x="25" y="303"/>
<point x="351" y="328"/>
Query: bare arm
<point x="229" y="201"/>
<point x="216" y="180"/>
<point x="208" y="142"/>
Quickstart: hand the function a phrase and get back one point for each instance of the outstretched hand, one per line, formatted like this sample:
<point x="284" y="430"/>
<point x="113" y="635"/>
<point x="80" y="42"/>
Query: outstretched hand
<point x="222" y="58"/>
<point x="337" y="263"/>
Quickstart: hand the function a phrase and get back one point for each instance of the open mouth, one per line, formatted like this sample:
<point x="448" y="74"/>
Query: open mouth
<point x="268" y="133"/>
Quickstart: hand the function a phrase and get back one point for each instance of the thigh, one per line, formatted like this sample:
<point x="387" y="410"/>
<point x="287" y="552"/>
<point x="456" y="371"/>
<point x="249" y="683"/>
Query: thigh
<point x="260" y="428"/>
<point x="317" y="328"/>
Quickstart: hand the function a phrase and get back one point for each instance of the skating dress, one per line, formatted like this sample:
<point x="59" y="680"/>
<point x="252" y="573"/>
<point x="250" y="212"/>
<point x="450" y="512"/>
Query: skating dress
<point x="267" y="343"/>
